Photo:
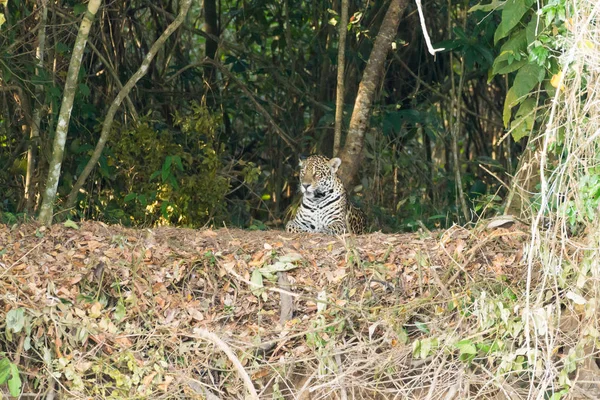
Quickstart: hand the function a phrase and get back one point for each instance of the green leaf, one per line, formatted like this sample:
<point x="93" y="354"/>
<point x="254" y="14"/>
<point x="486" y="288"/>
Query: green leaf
<point x="14" y="383"/>
<point x="509" y="59"/>
<point x="495" y="4"/>
<point x="61" y="48"/>
<point x="527" y="77"/>
<point x="79" y="8"/>
<point x="84" y="90"/>
<point x="422" y="327"/>
<point x="163" y="209"/>
<point x="524" y="120"/>
<point x="130" y="197"/>
<point x="178" y="163"/>
<point x="513" y="12"/>
<point x="466" y="347"/>
<point x="4" y="370"/>
<point x="143" y="200"/>
<point x="506" y="68"/>
<point x="258" y="285"/>
<point x="15" y="319"/>
<point x="119" y="310"/>
<point x="166" y="168"/>
<point x="71" y="224"/>
<point x="154" y="175"/>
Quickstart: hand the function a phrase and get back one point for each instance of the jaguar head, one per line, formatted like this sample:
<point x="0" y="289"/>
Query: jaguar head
<point x="317" y="175"/>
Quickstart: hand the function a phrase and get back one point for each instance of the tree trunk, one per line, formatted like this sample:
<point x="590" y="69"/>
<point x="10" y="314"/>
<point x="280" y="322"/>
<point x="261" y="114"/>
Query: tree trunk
<point x="110" y="115"/>
<point x="37" y="112"/>
<point x="211" y="26"/>
<point x="64" y="116"/>
<point x="350" y="154"/>
<point x="339" y="101"/>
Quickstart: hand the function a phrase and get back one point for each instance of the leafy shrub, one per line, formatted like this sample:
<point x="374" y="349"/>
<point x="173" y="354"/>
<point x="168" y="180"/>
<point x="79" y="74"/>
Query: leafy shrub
<point x="165" y="176"/>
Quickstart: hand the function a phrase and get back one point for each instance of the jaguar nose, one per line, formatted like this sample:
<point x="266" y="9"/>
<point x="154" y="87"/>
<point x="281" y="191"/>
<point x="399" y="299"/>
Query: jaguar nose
<point x="305" y="186"/>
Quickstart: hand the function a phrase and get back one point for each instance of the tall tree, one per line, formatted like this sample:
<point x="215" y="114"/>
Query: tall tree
<point x="110" y="115"/>
<point x="359" y="122"/>
<point x="211" y="27"/>
<point x="64" y="116"/>
<point x="339" y="101"/>
<point x="37" y="109"/>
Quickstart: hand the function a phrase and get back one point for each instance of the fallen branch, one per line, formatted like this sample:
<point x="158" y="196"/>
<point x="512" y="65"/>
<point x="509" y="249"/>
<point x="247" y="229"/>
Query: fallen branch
<point x="200" y="333"/>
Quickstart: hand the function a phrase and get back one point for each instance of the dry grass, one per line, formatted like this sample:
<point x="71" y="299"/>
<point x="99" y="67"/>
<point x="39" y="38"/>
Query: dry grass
<point x="565" y="227"/>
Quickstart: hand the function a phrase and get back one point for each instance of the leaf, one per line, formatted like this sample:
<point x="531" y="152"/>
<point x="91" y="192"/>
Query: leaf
<point x="513" y="12"/>
<point x="154" y="175"/>
<point x="178" y="163"/>
<point x="270" y="270"/>
<point x="79" y="8"/>
<point x="527" y="77"/>
<point x="524" y="120"/>
<point x="14" y="383"/>
<point x="84" y="90"/>
<point x="4" y="370"/>
<point x="71" y="224"/>
<point x="119" y="310"/>
<point x="422" y="327"/>
<point x="130" y="197"/>
<point x="166" y="168"/>
<point x="257" y="279"/>
<point x="2" y="19"/>
<point x="15" y="319"/>
<point x="466" y="347"/>
<point x="95" y="310"/>
<point x="495" y="4"/>
<point x="290" y="257"/>
<point x="509" y="59"/>
<point x="556" y="80"/>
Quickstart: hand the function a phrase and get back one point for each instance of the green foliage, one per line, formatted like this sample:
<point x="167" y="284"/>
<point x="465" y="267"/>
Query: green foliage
<point x="584" y="208"/>
<point x="532" y="36"/>
<point x="9" y="373"/>
<point x="170" y="177"/>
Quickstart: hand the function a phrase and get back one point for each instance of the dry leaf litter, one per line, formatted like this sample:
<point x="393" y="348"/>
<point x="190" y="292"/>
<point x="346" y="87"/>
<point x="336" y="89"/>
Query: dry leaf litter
<point x="111" y="312"/>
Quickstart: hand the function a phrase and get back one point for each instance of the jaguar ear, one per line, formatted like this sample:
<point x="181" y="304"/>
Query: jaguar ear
<point x="301" y="159"/>
<point x="334" y="164"/>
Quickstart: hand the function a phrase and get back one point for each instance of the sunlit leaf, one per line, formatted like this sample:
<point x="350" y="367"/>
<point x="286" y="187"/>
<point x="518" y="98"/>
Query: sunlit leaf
<point x="512" y="13"/>
<point x="14" y="383"/>
<point x="71" y="224"/>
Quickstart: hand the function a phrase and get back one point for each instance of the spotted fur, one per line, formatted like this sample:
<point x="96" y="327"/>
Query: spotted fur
<point x="325" y="207"/>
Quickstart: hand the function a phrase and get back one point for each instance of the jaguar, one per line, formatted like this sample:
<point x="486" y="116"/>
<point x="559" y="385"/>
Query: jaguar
<point x="325" y="207"/>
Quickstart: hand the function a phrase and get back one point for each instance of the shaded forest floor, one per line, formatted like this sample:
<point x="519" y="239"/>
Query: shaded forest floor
<point x="112" y="312"/>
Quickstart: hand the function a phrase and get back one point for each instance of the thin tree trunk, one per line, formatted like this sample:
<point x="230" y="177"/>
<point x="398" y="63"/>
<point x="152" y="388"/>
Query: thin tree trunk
<point x="350" y="154"/>
<point x="64" y="116"/>
<point x="211" y="27"/>
<point x="339" y="101"/>
<point x="455" y="130"/>
<point x="37" y="111"/>
<point x="110" y="115"/>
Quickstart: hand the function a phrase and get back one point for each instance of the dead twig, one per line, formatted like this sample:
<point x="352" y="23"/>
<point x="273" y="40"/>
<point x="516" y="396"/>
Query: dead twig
<point x="200" y="333"/>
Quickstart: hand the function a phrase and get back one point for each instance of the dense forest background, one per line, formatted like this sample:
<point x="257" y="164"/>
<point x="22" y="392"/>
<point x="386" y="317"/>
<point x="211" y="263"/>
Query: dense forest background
<point x="212" y="131"/>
